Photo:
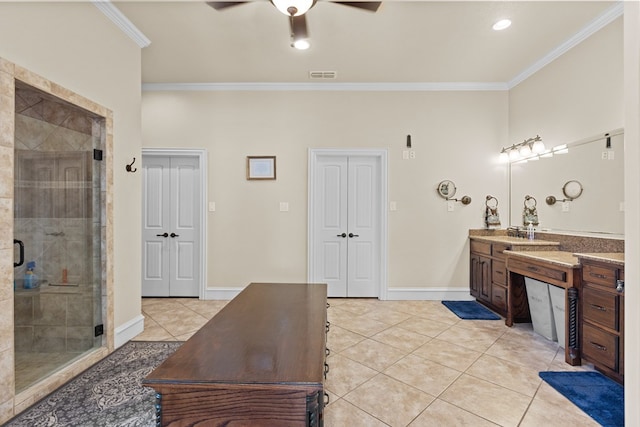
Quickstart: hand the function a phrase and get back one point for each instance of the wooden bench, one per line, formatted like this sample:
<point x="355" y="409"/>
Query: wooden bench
<point x="260" y="361"/>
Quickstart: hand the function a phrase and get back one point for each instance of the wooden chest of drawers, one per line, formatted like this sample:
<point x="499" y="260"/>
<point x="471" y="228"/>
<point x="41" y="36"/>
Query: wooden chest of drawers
<point x="603" y="317"/>
<point x="260" y="362"/>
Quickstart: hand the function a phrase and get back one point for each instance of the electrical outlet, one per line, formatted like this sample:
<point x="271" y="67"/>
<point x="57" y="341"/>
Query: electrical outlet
<point x="412" y="154"/>
<point x="605" y="155"/>
<point x="451" y="206"/>
<point x="565" y="206"/>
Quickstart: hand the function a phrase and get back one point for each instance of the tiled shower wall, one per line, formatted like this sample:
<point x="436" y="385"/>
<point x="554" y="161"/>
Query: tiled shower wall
<point x="10" y="402"/>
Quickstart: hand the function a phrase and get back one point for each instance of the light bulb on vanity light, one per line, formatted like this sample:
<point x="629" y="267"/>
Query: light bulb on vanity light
<point x="538" y="147"/>
<point x="525" y="151"/>
<point x="514" y="155"/>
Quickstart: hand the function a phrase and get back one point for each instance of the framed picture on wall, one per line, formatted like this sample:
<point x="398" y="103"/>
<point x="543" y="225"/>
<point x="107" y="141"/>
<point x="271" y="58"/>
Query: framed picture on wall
<point x="261" y="167"/>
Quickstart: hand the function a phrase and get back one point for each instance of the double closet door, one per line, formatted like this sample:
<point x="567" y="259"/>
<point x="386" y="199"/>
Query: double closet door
<point x="170" y="226"/>
<point x="346" y="225"/>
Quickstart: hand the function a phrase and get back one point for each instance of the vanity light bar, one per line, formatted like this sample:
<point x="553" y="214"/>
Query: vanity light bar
<point x="514" y="153"/>
<point x="523" y="150"/>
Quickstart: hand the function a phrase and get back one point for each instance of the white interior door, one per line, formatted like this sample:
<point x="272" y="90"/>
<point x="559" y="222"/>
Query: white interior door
<point x="170" y="226"/>
<point x="346" y="223"/>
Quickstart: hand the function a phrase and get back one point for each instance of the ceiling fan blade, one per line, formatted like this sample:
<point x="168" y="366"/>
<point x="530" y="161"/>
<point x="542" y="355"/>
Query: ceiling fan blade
<point x="371" y="6"/>
<point x="298" y="25"/>
<point x="219" y="5"/>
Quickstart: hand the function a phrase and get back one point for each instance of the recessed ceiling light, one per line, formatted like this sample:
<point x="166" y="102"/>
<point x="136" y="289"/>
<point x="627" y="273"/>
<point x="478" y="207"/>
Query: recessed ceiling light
<point x="502" y="24"/>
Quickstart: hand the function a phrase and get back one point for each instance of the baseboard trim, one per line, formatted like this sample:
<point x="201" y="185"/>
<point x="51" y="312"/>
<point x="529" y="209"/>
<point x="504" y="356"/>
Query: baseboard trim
<point x="227" y="293"/>
<point x="129" y="330"/>
<point x="395" y="294"/>
<point x="429" y="294"/>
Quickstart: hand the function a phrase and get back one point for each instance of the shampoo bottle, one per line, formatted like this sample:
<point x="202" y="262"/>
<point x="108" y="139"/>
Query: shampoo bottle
<point x="30" y="278"/>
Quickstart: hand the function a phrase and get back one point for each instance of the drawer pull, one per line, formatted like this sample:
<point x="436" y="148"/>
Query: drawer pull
<point x="598" y="307"/>
<point x="598" y="346"/>
<point x="326" y="398"/>
<point x="599" y="276"/>
<point x="327" y="351"/>
<point x="499" y="272"/>
<point x="619" y="285"/>
<point x="328" y="326"/>
<point x="326" y="370"/>
<point x="532" y="268"/>
<point x="498" y="297"/>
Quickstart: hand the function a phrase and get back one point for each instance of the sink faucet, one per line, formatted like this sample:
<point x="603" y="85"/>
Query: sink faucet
<point x="516" y="232"/>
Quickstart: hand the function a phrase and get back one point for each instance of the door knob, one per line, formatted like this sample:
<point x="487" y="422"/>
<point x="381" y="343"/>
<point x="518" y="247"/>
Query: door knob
<point x="163" y="235"/>
<point x="343" y="235"/>
<point x="174" y="235"/>
<point x="353" y="235"/>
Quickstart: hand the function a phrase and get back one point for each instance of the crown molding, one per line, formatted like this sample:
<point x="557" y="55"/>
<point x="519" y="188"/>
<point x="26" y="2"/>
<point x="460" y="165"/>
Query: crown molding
<point x="342" y="87"/>
<point x="122" y="22"/>
<point x="608" y="16"/>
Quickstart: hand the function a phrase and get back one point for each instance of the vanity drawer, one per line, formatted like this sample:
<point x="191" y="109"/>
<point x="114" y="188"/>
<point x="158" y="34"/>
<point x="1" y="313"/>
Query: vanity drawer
<point x="499" y="297"/>
<point x="499" y="272"/>
<point x="482" y="248"/>
<point x="600" y="307"/>
<point x="537" y="271"/>
<point x="600" y="275"/>
<point x="600" y="346"/>
<point x="497" y="250"/>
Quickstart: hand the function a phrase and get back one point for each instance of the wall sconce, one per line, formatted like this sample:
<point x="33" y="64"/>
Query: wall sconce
<point x="571" y="190"/>
<point x="447" y="189"/>
<point x="531" y="147"/>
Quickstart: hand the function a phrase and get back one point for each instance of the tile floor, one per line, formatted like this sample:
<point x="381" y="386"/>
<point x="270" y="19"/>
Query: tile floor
<point x="414" y="363"/>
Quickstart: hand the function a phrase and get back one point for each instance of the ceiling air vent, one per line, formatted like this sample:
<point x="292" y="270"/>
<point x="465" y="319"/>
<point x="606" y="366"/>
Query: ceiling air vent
<point x="323" y="75"/>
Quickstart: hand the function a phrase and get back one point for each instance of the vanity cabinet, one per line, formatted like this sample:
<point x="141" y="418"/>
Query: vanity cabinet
<point x="488" y="275"/>
<point x="603" y="317"/>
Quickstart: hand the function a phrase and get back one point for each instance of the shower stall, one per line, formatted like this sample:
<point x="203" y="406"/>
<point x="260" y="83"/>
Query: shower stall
<point x="58" y="244"/>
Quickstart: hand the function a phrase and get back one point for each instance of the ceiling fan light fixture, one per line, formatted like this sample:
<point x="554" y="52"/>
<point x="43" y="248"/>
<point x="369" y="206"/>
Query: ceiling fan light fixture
<point x="293" y="7"/>
<point x="301" y="44"/>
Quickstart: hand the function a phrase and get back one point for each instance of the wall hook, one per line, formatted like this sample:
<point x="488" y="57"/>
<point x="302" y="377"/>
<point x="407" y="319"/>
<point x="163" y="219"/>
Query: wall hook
<point x="129" y="168"/>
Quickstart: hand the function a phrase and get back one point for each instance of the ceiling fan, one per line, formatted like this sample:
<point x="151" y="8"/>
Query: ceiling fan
<point x="296" y="10"/>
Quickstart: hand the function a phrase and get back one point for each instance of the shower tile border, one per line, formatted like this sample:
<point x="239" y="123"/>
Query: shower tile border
<point x="10" y="402"/>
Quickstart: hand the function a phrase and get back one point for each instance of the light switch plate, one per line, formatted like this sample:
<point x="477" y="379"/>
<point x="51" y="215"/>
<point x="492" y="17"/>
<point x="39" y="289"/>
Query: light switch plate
<point x="392" y="206"/>
<point x="212" y="206"/>
<point x="450" y="206"/>
<point x="565" y="207"/>
<point x="284" y="206"/>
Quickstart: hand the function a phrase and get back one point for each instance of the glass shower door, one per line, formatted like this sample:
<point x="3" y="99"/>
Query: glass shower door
<point x="57" y="213"/>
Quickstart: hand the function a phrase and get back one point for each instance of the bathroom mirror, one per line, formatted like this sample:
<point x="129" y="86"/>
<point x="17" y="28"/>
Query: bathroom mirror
<point x="594" y="171"/>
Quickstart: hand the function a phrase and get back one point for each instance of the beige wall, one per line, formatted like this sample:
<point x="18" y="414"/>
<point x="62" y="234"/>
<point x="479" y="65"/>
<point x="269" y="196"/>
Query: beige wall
<point x="455" y="135"/>
<point x="576" y="96"/>
<point x="77" y="47"/>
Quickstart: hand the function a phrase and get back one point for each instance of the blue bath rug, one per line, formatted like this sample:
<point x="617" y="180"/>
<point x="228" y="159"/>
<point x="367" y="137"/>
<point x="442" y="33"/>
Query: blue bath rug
<point x="598" y="396"/>
<point x="470" y="310"/>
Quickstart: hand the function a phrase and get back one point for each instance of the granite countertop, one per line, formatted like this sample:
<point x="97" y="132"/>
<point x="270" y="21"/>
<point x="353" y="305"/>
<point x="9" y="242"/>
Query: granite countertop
<point x="616" y="258"/>
<point x="560" y="258"/>
<point x="514" y="240"/>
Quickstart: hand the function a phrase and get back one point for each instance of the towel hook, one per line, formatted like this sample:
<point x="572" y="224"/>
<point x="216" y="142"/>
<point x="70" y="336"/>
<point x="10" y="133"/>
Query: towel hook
<point x="129" y="168"/>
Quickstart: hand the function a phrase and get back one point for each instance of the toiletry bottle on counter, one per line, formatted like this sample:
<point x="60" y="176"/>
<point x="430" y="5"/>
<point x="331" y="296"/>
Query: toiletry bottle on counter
<point x="530" y="231"/>
<point x="30" y="278"/>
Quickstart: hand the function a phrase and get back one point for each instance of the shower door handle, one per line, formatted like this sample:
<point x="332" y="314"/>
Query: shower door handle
<point x="21" y="261"/>
<point x="163" y="235"/>
<point x="174" y="235"/>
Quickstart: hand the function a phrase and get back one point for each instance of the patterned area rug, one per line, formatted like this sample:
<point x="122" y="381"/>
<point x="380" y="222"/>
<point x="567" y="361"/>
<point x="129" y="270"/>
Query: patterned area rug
<point x="110" y="393"/>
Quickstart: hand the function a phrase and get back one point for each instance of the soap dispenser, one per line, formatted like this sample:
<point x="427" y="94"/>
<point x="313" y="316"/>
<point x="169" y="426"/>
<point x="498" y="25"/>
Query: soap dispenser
<point x="530" y="231"/>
